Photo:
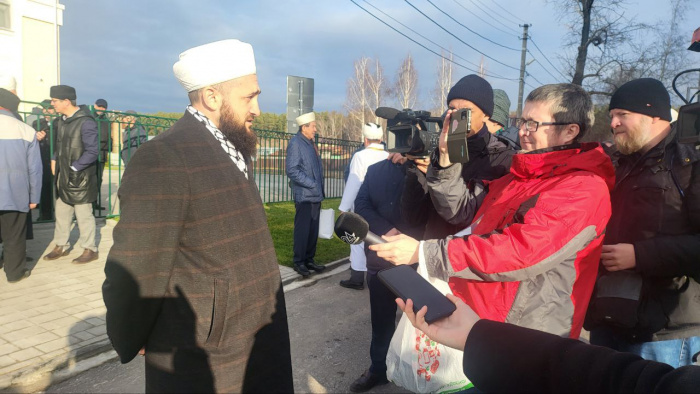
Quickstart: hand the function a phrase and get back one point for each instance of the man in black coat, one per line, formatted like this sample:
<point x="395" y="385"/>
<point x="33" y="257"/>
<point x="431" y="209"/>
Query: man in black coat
<point x="378" y="202"/>
<point x="652" y="241"/>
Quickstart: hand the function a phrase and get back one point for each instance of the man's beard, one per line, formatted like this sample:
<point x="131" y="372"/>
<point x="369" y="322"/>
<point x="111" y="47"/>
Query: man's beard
<point x="235" y="131"/>
<point x="629" y="143"/>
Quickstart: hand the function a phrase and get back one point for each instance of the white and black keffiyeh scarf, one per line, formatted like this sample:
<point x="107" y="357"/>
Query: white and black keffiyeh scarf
<point x="227" y="146"/>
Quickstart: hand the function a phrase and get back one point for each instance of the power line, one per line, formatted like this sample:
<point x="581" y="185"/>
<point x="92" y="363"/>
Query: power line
<point x="494" y="12"/>
<point x="546" y="58"/>
<point x="502" y="31"/>
<point x="504" y="9"/>
<point x="533" y="77"/>
<point x="420" y="35"/>
<point x="464" y="26"/>
<point x="541" y="65"/>
<point x="424" y="47"/>
<point x="458" y="39"/>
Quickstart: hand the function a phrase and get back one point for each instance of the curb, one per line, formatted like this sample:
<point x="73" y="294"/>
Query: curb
<point x="39" y="377"/>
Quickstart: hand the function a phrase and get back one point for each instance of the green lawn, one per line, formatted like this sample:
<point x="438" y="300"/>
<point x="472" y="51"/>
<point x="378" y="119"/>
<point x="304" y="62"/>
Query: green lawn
<point x="280" y="219"/>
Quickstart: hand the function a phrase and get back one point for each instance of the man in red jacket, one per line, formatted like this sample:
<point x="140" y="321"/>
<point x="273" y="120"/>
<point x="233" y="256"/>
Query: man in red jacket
<point x="532" y="253"/>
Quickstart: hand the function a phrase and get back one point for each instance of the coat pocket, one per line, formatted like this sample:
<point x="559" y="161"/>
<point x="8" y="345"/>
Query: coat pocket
<point x="76" y="179"/>
<point x="219" y="307"/>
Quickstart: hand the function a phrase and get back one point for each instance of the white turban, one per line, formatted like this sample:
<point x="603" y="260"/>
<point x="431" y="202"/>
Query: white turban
<point x="214" y="63"/>
<point x="305" y="118"/>
<point x="372" y="131"/>
<point x="8" y="82"/>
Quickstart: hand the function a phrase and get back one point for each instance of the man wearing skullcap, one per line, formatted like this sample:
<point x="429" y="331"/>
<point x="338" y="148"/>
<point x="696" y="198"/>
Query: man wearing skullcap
<point x="192" y="280"/>
<point x="74" y="161"/>
<point x="498" y="122"/>
<point x="305" y="172"/>
<point x="372" y="153"/>
<point x="647" y="297"/>
<point x="104" y="126"/>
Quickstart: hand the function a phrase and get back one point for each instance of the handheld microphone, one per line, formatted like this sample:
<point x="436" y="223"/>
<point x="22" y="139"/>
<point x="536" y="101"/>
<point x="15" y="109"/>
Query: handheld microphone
<point x="351" y="228"/>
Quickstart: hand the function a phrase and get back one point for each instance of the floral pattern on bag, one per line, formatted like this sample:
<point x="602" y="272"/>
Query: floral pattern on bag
<point x="428" y="354"/>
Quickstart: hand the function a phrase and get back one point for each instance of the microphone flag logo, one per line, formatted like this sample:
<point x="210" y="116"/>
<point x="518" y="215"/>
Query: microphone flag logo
<point x="350" y="238"/>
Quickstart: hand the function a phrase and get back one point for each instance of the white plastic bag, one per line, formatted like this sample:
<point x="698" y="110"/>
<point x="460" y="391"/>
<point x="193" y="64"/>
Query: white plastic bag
<point x="325" y="223"/>
<point x="420" y="365"/>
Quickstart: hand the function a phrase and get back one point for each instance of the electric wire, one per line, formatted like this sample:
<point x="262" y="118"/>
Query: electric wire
<point x="459" y="39"/>
<point x="426" y="48"/>
<point x="505" y="9"/>
<point x="422" y="36"/>
<point x="493" y="12"/>
<point x="546" y="58"/>
<point x="541" y="65"/>
<point x="502" y="31"/>
<point x="466" y="27"/>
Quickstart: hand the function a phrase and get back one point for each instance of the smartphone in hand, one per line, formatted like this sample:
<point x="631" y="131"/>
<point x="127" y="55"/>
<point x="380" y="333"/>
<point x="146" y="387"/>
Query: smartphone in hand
<point x="406" y="283"/>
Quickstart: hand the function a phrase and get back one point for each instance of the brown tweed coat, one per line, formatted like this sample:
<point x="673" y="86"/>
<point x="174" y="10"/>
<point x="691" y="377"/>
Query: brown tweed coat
<point x="193" y="275"/>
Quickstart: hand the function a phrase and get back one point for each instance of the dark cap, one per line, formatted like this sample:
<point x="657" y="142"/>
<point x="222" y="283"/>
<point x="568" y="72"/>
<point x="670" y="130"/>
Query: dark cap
<point x="45" y="103"/>
<point x="101" y="103"/>
<point x="475" y="89"/>
<point x="63" y="92"/>
<point x="646" y="96"/>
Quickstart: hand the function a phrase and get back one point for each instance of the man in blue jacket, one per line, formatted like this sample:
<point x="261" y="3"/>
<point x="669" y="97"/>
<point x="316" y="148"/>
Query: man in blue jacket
<point x="20" y="187"/>
<point x="305" y="173"/>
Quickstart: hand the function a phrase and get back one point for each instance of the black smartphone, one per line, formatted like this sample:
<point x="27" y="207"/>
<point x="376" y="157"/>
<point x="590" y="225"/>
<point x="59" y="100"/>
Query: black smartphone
<point x="406" y="283"/>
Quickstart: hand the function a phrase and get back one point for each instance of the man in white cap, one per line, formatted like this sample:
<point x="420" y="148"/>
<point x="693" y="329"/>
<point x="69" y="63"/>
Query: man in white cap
<point x="372" y="153"/>
<point x="305" y="172"/>
<point x="192" y="280"/>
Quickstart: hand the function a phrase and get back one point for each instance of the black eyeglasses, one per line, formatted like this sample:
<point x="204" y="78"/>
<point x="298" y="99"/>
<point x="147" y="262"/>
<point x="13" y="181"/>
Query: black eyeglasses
<point x="532" y="125"/>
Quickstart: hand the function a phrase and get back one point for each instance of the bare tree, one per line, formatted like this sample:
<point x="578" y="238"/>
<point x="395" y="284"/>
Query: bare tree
<point x="377" y="87"/>
<point x="406" y="86"/>
<point x="357" y="102"/>
<point x="599" y="23"/>
<point x="442" y="84"/>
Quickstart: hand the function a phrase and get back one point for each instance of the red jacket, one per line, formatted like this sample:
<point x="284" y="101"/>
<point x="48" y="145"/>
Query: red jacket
<point x="533" y="254"/>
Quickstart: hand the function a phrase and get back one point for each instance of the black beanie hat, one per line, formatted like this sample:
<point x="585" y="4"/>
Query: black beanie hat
<point x="475" y="89"/>
<point x="646" y="96"/>
<point x="62" y="92"/>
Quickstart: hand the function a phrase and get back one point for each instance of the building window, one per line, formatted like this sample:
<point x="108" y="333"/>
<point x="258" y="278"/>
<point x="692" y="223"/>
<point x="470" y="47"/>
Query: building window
<point x="4" y="15"/>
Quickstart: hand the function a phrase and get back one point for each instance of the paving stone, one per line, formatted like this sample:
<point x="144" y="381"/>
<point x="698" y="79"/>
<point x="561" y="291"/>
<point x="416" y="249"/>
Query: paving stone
<point x="99" y="330"/>
<point x="6" y="360"/>
<point x="95" y="321"/>
<point x="15" y="325"/>
<point x="35" y="340"/>
<point x="24" y="333"/>
<point x="26" y="354"/>
<point x="77" y="309"/>
<point x="8" y="348"/>
<point x="47" y="317"/>
<point x="83" y="335"/>
<point x="4" y="371"/>
<point x="54" y="345"/>
<point x="63" y="323"/>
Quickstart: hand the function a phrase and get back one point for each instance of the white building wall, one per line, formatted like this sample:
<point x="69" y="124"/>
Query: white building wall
<point x="31" y="47"/>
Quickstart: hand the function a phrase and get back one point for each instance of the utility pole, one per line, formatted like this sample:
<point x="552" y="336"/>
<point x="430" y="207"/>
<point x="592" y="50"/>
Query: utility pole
<point x="522" y="71"/>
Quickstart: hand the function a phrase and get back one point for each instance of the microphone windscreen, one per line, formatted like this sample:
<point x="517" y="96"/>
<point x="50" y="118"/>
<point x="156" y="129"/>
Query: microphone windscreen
<point x="351" y="228"/>
<point x="386" y="112"/>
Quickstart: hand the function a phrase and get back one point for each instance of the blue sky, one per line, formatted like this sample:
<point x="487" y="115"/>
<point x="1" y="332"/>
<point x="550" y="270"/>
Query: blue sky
<point x="123" y="51"/>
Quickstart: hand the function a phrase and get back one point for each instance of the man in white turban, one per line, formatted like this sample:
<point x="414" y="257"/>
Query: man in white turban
<point x="305" y="172"/>
<point x="192" y="280"/>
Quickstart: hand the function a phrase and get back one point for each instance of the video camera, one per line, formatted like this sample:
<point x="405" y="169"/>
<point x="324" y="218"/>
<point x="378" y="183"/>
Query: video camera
<point x="410" y="132"/>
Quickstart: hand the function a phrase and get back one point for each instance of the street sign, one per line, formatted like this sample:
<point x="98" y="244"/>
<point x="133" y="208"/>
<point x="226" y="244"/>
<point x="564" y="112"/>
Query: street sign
<point x="300" y="99"/>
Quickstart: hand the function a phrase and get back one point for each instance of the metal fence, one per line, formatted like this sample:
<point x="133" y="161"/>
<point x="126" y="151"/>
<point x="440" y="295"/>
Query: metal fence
<point x="121" y="133"/>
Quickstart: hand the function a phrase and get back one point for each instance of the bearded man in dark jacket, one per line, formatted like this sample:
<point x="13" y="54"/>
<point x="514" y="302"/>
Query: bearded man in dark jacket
<point x="652" y="243"/>
<point x="74" y="161"/>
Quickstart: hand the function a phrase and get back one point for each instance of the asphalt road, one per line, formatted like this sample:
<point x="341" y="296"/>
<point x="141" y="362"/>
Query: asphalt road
<point x="330" y="335"/>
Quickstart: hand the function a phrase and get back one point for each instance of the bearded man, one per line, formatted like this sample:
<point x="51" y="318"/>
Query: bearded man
<point x="192" y="280"/>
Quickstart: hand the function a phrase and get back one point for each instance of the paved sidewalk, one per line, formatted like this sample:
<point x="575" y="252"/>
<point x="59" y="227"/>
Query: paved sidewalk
<point x="52" y="320"/>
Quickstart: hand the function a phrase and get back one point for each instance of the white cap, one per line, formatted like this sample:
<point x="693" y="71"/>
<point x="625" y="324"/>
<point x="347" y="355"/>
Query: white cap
<point x="8" y="82"/>
<point x="305" y="118"/>
<point x="214" y="63"/>
<point x="372" y="131"/>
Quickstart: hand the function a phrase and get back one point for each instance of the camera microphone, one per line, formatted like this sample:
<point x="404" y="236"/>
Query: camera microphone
<point x="387" y="113"/>
<point x="351" y="228"/>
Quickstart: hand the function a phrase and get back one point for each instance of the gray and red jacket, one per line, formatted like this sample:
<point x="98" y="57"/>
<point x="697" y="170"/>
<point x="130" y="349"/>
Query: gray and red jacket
<point x="532" y="257"/>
